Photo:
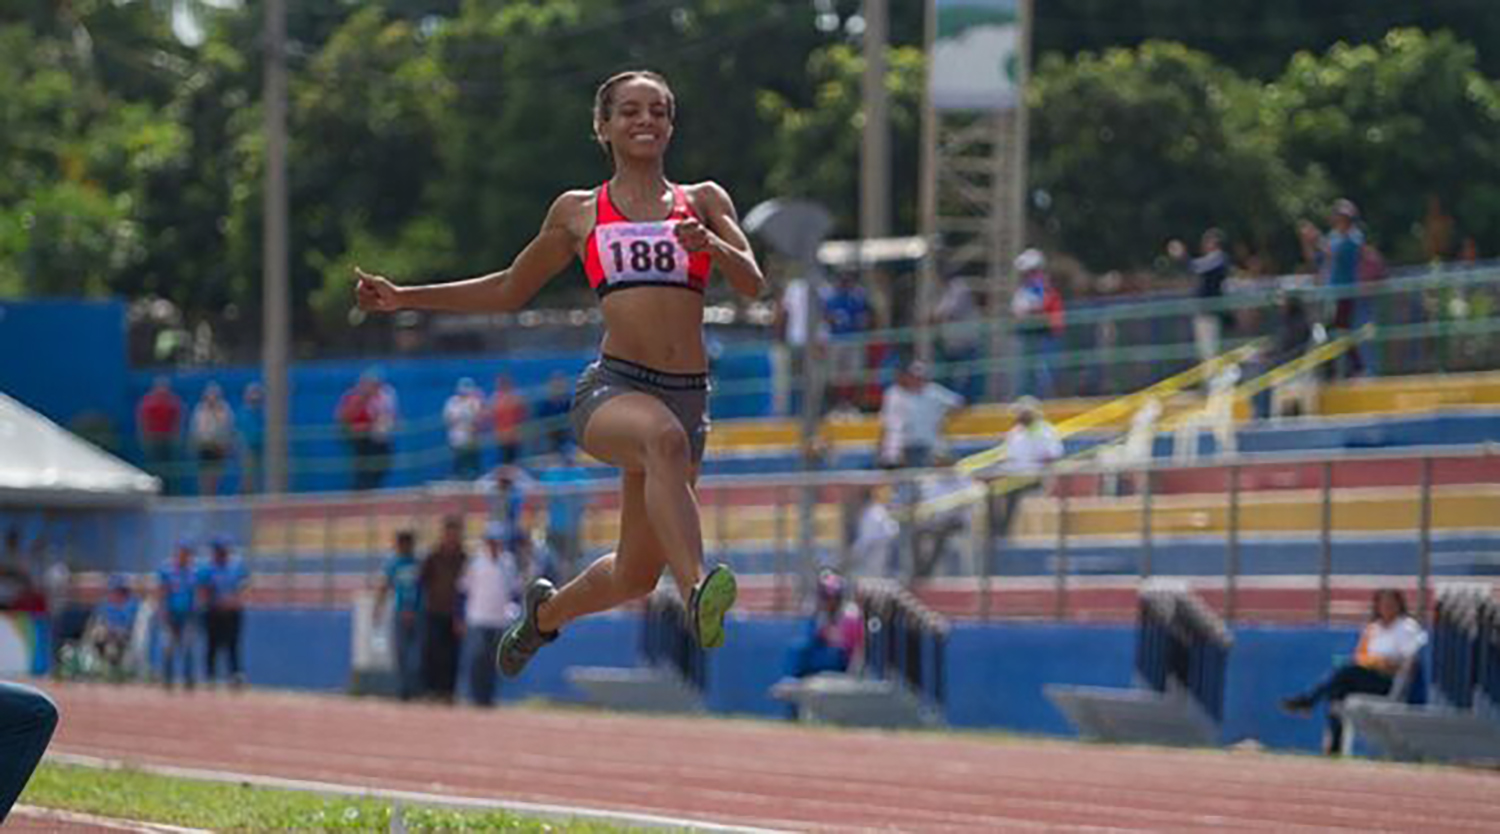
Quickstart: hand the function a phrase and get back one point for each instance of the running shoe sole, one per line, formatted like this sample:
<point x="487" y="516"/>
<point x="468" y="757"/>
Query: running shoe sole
<point x="714" y="599"/>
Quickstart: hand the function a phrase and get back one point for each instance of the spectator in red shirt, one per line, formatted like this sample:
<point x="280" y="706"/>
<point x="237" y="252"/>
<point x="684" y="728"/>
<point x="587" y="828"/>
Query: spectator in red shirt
<point x="158" y="419"/>
<point x="508" y="410"/>
<point x="357" y="417"/>
<point x="368" y="414"/>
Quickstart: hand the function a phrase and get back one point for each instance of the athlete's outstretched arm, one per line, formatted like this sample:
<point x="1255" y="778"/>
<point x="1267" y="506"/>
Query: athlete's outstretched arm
<point x="499" y="292"/>
<point x="724" y="239"/>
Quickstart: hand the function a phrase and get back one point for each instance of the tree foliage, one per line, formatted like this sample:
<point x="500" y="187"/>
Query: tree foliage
<point x="429" y="136"/>
<point x="1395" y="125"/>
<point x="1134" y="147"/>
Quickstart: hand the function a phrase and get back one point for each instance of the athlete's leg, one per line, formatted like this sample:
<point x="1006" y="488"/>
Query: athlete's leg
<point x="637" y="432"/>
<point x="615" y="578"/>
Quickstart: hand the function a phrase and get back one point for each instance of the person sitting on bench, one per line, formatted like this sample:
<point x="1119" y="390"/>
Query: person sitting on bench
<point x="835" y="633"/>
<point x="1388" y="643"/>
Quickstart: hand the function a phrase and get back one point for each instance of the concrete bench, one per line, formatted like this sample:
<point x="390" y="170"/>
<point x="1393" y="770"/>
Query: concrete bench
<point x="645" y="689"/>
<point x="1422" y="732"/>
<point x="850" y="701"/>
<point x="1136" y="716"/>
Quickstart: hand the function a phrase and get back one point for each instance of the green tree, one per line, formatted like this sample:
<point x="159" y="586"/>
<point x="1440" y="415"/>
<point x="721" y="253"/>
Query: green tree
<point x="1133" y="147"/>
<point x="1392" y="125"/>
<point x="815" y="146"/>
<point x="1256" y="38"/>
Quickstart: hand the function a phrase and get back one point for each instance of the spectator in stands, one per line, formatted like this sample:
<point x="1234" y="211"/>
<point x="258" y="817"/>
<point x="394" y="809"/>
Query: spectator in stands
<point x="211" y="436"/>
<point x="112" y="627"/>
<point x="1388" y="645"/>
<point x="960" y="335"/>
<point x="463" y="416"/>
<point x="835" y="633"/>
<point x="368" y="414"/>
<point x="442" y="621"/>
<point x="1211" y="268"/>
<point x="252" y="446"/>
<point x="1346" y="245"/>
<point x="565" y="511"/>
<point x="847" y="312"/>
<point x="1038" y="310"/>
<point x="512" y="485"/>
<point x="1313" y="247"/>
<point x="553" y="413"/>
<point x="911" y="418"/>
<point x="27" y="719"/>
<point x="180" y="600"/>
<point x="385" y="412"/>
<point x="491" y="586"/>
<point x="356" y="418"/>
<point x="943" y="519"/>
<point x="875" y="534"/>
<point x="401" y="582"/>
<point x="1294" y="336"/>
<point x="158" y="419"/>
<point x="800" y="330"/>
<point x="225" y="581"/>
<point x="1031" y="446"/>
<point x="507" y="414"/>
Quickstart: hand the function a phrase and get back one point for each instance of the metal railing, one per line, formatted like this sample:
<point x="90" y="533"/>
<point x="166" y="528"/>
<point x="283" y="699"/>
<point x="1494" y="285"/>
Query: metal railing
<point x="1262" y="537"/>
<point x="1428" y="320"/>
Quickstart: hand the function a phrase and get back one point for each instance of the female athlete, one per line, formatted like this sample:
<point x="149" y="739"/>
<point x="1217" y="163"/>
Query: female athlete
<point x="647" y="246"/>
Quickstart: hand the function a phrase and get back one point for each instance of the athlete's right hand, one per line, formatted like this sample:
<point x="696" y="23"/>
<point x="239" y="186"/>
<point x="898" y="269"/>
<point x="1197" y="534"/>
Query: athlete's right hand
<point x="376" y="293"/>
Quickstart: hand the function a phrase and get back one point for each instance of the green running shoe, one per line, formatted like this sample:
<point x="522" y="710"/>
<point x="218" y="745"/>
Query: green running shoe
<point x="708" y="605"/>
<point x="524" y="638"/>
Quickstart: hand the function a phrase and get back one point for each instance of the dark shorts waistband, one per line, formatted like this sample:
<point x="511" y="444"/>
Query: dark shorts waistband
<point x="651" y="376"/>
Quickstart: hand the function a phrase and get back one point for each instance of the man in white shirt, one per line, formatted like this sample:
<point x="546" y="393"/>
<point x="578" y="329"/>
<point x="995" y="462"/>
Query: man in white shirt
<point x="801" y="328"/>
<point x="462" y="415"/>
<point x="875" y="533"/>
<point x="491" y="586"/>
<point x="912" y="413"/>
<point x="1031" y="446"/>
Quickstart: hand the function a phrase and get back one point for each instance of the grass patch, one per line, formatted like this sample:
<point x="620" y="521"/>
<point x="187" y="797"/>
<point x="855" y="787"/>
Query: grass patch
<point x="132" y="794"/>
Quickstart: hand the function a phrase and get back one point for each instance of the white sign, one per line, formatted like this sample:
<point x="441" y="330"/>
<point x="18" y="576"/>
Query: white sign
<point x="976" y="55"/>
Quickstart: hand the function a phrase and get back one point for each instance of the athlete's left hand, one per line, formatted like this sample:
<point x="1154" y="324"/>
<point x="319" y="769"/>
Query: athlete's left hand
<point x="693" y="235"/>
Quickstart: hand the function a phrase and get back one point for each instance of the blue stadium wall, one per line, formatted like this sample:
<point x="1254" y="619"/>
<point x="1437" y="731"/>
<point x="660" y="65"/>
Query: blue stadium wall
<point x="995" y="672"/>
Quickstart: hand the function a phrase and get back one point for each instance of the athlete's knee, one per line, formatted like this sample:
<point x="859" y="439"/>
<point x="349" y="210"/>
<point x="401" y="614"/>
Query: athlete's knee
<point x="667" y="446"/>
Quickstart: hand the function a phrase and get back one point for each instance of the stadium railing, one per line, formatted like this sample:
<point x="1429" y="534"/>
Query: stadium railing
<point x="1429" y="320"/>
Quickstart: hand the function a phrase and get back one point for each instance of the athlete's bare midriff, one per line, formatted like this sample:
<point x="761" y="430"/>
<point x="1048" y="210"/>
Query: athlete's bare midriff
<point x="659" y="327"/>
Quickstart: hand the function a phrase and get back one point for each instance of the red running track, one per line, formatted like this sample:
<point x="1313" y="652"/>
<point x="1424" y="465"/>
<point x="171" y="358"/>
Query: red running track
<point x="764" y="773"/>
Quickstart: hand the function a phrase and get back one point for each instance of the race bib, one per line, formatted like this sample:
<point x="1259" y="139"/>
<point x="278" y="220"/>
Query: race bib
<point x="641" y="252"/>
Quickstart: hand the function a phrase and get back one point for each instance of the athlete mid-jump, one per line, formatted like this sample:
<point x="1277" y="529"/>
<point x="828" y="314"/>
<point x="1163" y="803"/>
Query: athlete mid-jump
<point x="647" y="246"/>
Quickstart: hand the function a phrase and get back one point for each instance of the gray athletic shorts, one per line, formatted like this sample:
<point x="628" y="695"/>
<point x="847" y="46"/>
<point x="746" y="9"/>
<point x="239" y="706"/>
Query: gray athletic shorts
<point x="686" y="395"/>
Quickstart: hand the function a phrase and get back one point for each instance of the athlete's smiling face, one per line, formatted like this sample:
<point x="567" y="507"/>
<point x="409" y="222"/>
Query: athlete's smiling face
<point x="640" y="119"/>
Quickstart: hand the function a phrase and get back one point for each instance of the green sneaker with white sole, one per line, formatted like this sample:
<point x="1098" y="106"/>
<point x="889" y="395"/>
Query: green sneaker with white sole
<point x="710" y="603"/>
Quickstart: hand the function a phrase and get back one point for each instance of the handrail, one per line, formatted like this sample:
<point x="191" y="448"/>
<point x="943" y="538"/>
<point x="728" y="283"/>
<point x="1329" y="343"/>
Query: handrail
<point x="1120" y="406"/>
<point x="832" y="478"/>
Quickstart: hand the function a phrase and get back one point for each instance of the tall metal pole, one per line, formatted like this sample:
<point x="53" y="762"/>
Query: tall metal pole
<point x="927" y="200"/>
<point x="875" y="146"/>
<point x="1010" y="187"/>
<point x="276" y="317"/>
<point x="1424" y="548"/>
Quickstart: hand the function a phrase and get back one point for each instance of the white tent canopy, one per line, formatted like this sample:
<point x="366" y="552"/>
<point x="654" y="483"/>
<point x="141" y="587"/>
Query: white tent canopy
<point x="43" y="464"/>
